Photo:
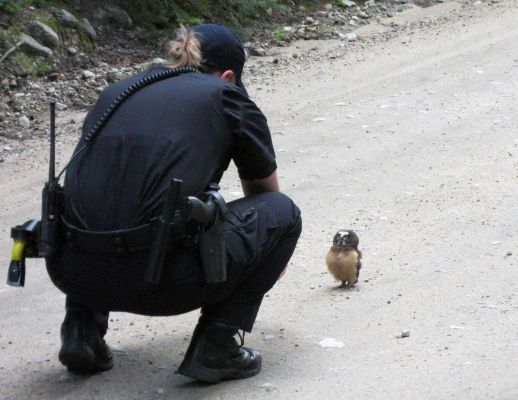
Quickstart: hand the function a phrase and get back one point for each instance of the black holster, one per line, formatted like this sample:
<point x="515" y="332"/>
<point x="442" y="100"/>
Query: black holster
<point x="50" y="229"/>
<point x="212" y="241"/>
<point x="208" y="215"/>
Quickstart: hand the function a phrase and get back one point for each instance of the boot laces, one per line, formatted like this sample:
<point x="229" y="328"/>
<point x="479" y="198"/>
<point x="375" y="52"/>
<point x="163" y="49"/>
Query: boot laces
<point x="241" y="337"/>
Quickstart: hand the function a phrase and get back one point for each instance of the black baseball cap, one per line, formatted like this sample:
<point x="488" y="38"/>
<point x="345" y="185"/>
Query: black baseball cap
<point x="221" y="49"/>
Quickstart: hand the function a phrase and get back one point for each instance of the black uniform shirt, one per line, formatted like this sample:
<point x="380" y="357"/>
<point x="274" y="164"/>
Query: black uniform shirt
<point x="187" y="127"/>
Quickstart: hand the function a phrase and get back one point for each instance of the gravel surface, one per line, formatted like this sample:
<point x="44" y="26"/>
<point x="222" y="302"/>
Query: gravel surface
<point x="407" y="135"/>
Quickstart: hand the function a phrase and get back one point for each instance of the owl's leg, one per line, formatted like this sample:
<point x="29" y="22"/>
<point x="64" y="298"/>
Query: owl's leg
<point x="343" y="285"/>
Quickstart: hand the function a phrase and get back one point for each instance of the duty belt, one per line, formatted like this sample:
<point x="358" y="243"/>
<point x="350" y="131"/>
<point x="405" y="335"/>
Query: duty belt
<point x="119" y="242"/>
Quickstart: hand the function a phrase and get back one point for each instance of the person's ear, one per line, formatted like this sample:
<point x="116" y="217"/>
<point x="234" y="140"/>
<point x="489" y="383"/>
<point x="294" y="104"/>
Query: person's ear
<point x="229" y="76"/>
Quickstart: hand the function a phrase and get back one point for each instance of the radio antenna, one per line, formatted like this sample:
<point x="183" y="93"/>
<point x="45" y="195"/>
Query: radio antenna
<point x="52" y="159"/>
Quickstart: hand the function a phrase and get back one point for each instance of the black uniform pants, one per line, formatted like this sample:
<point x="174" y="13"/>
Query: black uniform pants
<point x="260" y="235"/>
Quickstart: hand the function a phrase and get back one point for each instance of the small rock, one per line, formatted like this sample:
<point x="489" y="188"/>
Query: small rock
<point x="24" y="122"/>
<point x="348" y="3"/>
<point x="158" y="61"/>
<point x="61" y="106"/>
<point x="275" y="61"/>
<point x="30" y="45"/>
<point x="72" y="51"/>
<point x="509" y="253"/>
<point x="256" y="51"/>
<point x="330" y="342"/>
<point x="66" y="18"/>
<point x="54" y="76"/>
<point x="87" y="75"/>
<point x="328" y="7"/>
<point x="351" y="37"/>
<point x="87" y="28"/>
<point x="363" y="14"/>
<point x="405" y="333"/>
<point x="269" y="11"/>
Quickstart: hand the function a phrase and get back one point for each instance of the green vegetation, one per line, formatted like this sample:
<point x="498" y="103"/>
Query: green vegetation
<point x="51" y="23"/>
<point x="41" y="69"/>
<point x="171" y="13"/>
<point x="86" y="44"/>
<point x="14" y="6"/>
<point x="278" y="34"/>
<point x="9" y="38"/>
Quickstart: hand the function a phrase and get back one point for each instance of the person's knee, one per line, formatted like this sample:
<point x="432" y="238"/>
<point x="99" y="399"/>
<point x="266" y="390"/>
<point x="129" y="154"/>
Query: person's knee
<point x="291" y="214"/>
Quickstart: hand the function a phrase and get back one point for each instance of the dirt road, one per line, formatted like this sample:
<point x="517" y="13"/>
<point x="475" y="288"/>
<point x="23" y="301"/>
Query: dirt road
<point x="413" y="142"/>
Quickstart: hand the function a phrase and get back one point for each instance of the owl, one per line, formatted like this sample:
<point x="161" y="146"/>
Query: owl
<point x="344" y="259"/>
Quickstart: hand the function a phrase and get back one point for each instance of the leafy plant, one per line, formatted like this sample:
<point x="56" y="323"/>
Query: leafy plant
<point x="278" y="34"/>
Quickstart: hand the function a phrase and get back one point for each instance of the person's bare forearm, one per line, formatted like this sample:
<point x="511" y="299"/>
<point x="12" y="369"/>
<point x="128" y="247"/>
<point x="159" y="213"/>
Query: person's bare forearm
<point x="256" y="186"/>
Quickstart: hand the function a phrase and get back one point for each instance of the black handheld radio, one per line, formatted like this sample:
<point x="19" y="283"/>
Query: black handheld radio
<point x="39" y="238"/>
<point x="52" y="200"/>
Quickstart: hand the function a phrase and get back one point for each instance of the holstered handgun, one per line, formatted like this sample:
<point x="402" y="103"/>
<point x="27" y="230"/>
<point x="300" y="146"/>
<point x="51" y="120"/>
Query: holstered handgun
<point x="211" y="214"/>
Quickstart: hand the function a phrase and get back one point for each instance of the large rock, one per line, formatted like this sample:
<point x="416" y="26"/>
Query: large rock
<point x="66" y="19"/>
<point x="87" y="28"/>
<point x="115" y="15"/>
<point x="30" y="45"/>
<point x="44" y="34"/>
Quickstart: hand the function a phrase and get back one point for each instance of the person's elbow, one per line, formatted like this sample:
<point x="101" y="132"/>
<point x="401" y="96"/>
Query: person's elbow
<point x="256" y="186"/>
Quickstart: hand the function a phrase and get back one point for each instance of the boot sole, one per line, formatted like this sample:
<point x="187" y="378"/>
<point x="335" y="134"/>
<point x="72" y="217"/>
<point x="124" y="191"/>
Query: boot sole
<point x="210" y="375"/>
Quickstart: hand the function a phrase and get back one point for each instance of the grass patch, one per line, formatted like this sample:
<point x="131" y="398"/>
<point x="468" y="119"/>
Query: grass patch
<point x="279" y="34"/>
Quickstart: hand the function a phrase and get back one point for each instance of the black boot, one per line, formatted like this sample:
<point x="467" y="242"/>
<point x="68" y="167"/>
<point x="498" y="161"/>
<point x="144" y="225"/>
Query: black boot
<point x="214" y="355"/>
<point x="83" y="349"/>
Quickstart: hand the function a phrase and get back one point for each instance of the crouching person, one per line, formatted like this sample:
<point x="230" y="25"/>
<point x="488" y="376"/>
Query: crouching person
<point x="183" y="121"/>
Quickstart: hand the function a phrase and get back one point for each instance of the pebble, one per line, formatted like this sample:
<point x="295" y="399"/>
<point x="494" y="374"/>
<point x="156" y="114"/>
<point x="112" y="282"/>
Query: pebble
<point x="24" y="122"/>
<point x="86" y="75"/>
<point x="348" y="3"/>
<point x="256" y="51"/>
<point x="405" y="333"/>
<point x="363" y="14"/>
<point x="158" y="61"/>
<point x="351" y="37"/>
<point x="330" y="343"/>
<point x="61" y="106"/>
